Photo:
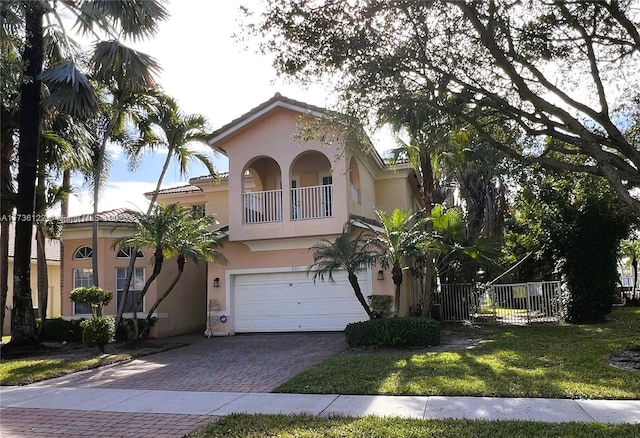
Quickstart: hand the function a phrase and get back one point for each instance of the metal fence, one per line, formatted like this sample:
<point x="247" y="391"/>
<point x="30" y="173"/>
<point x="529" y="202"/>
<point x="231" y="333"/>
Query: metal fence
<point x="519" y="303"/>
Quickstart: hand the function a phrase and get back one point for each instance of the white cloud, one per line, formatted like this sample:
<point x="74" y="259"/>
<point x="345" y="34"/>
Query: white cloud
<point x="115" y="195"/>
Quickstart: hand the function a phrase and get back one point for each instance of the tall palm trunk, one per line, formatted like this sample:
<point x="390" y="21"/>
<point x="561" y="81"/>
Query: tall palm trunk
<point x="134" y="251"/>
<point x="427" y="197"/>
<point x="6" y="210"/>
<point x="396" y="275"/>
<point x="97" y="182"/>
<point x="158" y="258"/>
<point x="353" y="280"/>
<point x="23" y="329"/>
<point x="41" y="266"/>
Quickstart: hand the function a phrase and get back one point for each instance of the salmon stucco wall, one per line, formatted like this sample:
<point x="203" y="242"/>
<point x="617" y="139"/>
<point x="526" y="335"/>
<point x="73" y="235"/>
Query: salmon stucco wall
<point x="184" y="309"/>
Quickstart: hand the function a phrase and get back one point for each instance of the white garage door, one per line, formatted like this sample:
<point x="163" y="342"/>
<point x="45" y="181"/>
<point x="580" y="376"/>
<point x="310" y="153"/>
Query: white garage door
<point x="290" y="301"/>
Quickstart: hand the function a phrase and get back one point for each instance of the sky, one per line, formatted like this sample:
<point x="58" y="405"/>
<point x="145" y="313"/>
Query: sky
<point x="208" y="72"/>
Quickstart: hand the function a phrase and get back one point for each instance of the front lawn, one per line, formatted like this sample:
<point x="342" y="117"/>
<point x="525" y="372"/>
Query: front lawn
<point x="22" y="371"/>
<point x="305" y="426"/>
<point x="558" y="361"/>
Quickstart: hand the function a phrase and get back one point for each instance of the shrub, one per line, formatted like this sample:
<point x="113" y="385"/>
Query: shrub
<point x="380" y="305"/>
<point x="125" y="332"/>
<point x="394" y="332"/>
<point x="59" y="329"/>
<point x="93" y="295"/>
<point x="98" y="331"/>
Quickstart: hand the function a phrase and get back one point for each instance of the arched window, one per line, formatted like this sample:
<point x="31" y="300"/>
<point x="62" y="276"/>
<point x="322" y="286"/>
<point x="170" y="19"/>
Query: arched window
<point x="82" y="253"/>
<point x="125" y="253"/>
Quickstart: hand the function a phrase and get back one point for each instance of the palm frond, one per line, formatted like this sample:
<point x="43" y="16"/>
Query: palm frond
<point x="71" y="91"/>
<point x="125" y="68"/>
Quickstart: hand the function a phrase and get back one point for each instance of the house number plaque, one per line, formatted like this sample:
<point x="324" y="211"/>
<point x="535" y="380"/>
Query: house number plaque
<point x="223" y="319"/>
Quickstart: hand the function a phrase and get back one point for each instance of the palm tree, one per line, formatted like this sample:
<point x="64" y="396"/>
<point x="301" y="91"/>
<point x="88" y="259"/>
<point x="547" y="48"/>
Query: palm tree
<point x="172" y="231"/>
<point x="401" y="232"/>
<point x="167" y="127"/>
<point x="349" y="251"/>
<point x="452" y="249"/>
<point x="71" y="93"/>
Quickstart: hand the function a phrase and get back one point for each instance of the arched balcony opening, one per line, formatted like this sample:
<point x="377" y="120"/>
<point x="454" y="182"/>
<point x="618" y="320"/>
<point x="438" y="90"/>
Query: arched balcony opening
<point x="261" y="191"/>
<point x="311" y="185"/>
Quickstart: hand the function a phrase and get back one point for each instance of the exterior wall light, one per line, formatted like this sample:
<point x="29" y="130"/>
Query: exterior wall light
<point x="216" y="282"/>
<point x="380" y="274"/>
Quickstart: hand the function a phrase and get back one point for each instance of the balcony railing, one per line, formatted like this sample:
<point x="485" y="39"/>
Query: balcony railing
<point x="306" y="203"/>
<point x="262" y="207"/>
<point x="314" y="202"/>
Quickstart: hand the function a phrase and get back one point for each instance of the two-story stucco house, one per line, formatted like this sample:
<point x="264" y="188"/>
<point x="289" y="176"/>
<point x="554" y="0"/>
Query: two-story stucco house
<point x="281" y="196"/>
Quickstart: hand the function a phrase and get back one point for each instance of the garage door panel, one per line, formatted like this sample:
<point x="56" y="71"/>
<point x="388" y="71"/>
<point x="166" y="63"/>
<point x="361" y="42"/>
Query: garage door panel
<point x="292" y="302"/>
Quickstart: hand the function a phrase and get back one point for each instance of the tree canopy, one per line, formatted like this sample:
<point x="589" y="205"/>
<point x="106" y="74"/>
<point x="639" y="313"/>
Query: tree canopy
<point x="543" y="82"/>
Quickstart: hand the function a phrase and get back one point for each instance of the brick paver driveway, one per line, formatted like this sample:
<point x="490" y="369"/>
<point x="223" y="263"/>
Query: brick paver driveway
<point x="242" y="363"/>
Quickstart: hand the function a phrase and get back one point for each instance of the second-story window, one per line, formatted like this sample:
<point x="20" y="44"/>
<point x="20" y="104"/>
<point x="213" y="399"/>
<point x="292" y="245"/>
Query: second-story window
<point x="125" y="253"/>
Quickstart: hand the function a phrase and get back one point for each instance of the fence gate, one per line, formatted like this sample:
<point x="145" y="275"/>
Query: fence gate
<point x="519" y="303"/>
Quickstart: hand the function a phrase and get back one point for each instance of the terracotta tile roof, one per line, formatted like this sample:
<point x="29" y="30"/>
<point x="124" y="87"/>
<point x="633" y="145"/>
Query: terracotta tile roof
<point x="51" y="246"/>
<point x="119" y="215"/>
<point x="277" y="98"/>
<point x="188" y="188"/>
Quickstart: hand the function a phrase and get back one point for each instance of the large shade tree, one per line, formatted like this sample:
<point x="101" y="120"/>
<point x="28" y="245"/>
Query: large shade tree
<point x="69" y="91"/>
<point x="561" y="76"/>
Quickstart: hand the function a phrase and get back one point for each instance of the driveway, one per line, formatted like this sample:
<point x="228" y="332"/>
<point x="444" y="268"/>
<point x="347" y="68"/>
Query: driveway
<point x="241" y="363"/>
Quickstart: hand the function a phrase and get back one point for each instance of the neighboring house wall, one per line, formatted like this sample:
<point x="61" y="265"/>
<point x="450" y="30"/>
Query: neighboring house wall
<point x="53" y="302"/>
<point x="52" y="251"/>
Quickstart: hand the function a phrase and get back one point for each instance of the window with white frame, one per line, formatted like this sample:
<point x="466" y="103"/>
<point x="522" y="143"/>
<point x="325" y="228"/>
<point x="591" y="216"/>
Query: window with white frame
<point x="83" y="253"/>
<point x="82" y="277"/>
<point x="125" y="253"/>
<point x="135" y="288"/>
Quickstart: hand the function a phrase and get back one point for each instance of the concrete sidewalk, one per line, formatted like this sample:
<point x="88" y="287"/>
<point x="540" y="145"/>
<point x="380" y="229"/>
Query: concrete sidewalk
<point x="223" y="403"/>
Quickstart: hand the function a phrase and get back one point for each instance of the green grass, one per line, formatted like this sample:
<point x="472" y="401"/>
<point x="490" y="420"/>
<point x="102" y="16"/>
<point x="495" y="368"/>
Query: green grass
<point x="558" y="361"/>
<point x="35" y="369"/>
<point x="304" y="426"/>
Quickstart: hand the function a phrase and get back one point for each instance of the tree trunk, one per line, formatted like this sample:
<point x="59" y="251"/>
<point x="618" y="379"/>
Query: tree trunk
<point x="41" y="256"/>
<point x="97" y="182"/>
<point x="134" y="253"/>
<point x="43" y="275"/>
<point x="181" y="262"/>
<point x="396" y="275"/>
<point x="157" y="267"/>
<point x="23" y="329"/>
<point x="6" y="211"/>
<point x="353" y="280"/>
<point x="427" y="197"/>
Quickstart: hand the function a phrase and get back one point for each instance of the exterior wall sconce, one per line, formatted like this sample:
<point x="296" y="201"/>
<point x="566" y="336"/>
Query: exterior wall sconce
<point x="380" y="274"/>
<point x="216" y="282"/>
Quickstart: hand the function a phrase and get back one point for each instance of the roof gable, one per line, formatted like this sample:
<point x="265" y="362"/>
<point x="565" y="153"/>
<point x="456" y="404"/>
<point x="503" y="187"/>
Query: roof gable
<point x="277" y="101"/>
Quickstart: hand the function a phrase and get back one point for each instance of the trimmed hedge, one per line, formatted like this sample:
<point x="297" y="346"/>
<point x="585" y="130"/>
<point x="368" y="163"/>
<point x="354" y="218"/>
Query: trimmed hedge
<point x="99" y="331"/>
<point x="394" y="332"/>
<point x="59" y="329"/>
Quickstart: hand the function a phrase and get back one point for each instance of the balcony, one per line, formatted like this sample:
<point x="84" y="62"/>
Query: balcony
<point x="315" y="202"/>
